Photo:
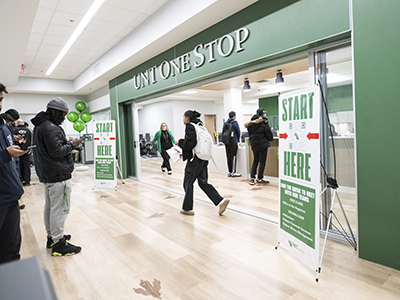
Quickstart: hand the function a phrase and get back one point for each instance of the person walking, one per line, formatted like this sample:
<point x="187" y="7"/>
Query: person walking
<point x="231" y="135"/>
<point x="260" y="135"/>
<point x="196" y="168"/>
<point x="10" y="192"/>
<point x="54" y="165"/>
<point x="165" y="140"/>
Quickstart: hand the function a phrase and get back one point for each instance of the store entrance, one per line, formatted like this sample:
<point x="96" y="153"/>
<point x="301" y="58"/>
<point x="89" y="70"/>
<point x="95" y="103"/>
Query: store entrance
<point x="209" y="100"/>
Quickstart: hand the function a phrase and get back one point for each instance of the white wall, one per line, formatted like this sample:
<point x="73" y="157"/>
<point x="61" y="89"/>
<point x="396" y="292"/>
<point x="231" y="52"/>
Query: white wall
<point x="28" y="105"/>
<point x="152" y="115"/>
<point x="99" y="100"/>
<point x="205" y="108"/>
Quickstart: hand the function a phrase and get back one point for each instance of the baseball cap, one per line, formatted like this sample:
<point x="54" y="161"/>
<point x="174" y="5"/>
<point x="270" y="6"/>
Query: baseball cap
<point x="260" y="111"/>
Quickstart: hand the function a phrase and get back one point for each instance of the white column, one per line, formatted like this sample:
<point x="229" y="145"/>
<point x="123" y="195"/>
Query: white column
<point x="233" y="102"/>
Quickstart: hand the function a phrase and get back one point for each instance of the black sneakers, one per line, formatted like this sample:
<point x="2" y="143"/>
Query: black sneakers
<point x="50" y="242"/>
<point x="63" y="248"/>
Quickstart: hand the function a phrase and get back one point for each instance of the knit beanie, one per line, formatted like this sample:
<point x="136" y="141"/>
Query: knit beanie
<point x="58" y="103"/>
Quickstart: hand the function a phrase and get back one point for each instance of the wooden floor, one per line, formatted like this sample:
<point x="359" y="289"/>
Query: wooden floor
<point x="256" y="199"/>
<point x="136" y="235"/>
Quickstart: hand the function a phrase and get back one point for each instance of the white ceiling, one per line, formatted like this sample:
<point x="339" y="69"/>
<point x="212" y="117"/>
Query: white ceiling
<point x="56" y="20"/>
<point x="123" y="34"/>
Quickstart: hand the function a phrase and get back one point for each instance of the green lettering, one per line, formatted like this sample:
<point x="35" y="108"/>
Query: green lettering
<point x="293" y="174"/>
<point x="290" y="108"/>
<point x="284" y="116"/>
<point x="296" y="108"/>
<point x="307" y="167"/>
<point x="303" y="106"/>
<point x="286" y="164"/>
<point x="310" y="104"/>
<point x="300" y="165"/>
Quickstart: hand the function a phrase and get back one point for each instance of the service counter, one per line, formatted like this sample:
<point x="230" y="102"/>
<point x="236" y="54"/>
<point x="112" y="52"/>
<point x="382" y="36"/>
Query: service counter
<point x="221" y="165"/>
<point x="345" y="163"/>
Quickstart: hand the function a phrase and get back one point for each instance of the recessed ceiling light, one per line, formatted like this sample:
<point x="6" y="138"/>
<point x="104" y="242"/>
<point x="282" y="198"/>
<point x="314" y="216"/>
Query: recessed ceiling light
<point x="78" y="30"/>
<point x="189" y="92"/>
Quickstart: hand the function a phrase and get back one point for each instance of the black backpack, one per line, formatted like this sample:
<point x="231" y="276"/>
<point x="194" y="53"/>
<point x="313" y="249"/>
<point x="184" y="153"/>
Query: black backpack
<point x="227" y="133"/>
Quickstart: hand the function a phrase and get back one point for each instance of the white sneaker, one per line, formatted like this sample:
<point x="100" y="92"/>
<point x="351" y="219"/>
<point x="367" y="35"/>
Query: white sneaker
<point x="222" y="206"/>
<point x="236" y="175"/>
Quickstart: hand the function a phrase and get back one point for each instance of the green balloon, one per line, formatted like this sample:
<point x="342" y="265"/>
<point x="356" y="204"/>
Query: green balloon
<point x="72" y="116"/>
<point x="80" y="106"/>
<point x="86" y="117"/>
<point x="79" y="126"/>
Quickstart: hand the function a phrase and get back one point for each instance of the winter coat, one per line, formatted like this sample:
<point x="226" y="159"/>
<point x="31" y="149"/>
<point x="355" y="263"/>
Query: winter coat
<point x="10" y="185"/>
<point x="260" y="133"/>
<point x="53" y="159"/>
<point x="157" y="138"/>
<point x="190" y="141"/>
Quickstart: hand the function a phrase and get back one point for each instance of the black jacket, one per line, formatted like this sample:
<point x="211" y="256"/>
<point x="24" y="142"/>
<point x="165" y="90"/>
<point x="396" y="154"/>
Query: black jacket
<point x="53" y="159"/>
<point x="190" y="141"/>
<point x="26" y="135"/>
<point x="10" y="185"/>
<point x="260" y="133"/>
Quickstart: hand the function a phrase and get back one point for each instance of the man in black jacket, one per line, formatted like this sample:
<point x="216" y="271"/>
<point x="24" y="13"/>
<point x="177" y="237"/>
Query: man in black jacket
<point x="10" y="192"/>
<point x="54" y="165"/>
<point x="260" y="135"/>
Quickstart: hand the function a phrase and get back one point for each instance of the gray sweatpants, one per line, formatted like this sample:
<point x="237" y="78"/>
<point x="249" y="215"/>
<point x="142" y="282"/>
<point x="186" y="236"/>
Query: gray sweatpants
<point x="56" y="208"/>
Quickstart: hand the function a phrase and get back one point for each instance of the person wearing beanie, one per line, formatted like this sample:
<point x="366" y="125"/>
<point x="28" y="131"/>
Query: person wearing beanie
<point x="54" y="165"/>
<point x="10" y="192"/>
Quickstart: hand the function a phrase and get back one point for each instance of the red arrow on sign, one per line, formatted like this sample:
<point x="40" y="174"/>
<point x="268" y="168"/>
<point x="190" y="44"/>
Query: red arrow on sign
<point x="313" y="136"/>
<point x="112" y="138"/>
<point x="283" y="135"/>
<point x="96" y="139"/>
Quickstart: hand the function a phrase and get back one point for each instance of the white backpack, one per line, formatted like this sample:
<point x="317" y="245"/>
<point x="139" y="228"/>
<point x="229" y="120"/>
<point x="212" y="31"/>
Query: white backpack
<point x="203" y="148"/>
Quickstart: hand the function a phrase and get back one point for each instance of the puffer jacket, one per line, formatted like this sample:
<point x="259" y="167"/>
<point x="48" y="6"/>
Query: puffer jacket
<point x="260" y="133"/>
<point x="53" y="159"/>
<point x="10" y="185"/>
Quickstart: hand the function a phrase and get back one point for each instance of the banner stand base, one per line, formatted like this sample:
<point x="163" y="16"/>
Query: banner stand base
<point x="354" y="243"/>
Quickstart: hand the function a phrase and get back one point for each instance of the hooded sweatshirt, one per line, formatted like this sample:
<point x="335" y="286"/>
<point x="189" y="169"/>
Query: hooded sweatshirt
<point x="10" y="186"/>
<point x="53" y="159"/>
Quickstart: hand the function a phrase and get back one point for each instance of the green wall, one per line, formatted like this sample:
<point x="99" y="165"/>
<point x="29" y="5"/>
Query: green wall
<point x="269" y="104"/>
<point x="276" y="29"/>
<point x="377" y="97"/>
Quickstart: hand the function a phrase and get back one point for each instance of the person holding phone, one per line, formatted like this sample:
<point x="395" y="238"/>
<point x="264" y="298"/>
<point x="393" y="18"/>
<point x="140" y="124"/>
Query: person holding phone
<point x="24" y="143"/>
<point x="10" y="192"/>
<point x="54" y="165"/>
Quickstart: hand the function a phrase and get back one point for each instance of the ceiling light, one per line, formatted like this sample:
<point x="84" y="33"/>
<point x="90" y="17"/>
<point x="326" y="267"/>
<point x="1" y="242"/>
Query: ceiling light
<point x="78" y="30"/>
<point x="246" y="86"/>
<point x="279" y="79"/>
<point x="188" y="92"/>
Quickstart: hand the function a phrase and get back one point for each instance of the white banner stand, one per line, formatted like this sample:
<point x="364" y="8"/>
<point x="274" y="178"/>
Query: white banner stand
<point x="299" y="174"/>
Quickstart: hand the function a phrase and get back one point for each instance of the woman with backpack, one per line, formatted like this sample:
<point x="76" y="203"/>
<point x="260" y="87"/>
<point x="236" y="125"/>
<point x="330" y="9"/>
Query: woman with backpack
<point x="196" y="168"/>
<point x="165" y="140"/>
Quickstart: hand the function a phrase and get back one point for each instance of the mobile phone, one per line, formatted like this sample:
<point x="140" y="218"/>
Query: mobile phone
<point x="30" y="147"/>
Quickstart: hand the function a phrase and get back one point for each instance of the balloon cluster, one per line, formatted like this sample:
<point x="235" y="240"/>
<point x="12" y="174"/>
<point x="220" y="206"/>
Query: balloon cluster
<point x="72" y="116"/>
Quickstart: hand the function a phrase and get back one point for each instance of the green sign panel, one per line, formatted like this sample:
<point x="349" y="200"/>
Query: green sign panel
<point x="104" y="169"/>
<point x="298" y="211"/>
